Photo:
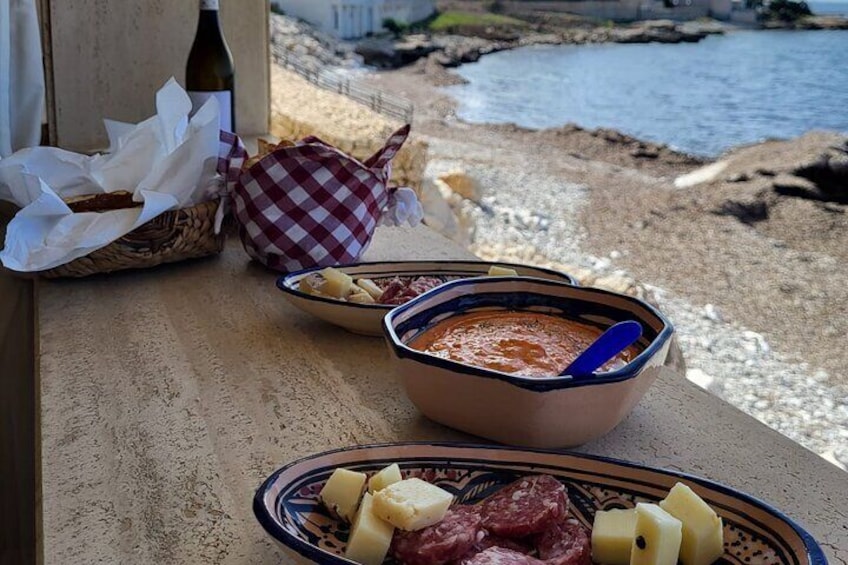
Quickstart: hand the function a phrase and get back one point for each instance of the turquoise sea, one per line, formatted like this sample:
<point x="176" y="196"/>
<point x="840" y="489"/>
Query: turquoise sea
<point x="702" y="98"/>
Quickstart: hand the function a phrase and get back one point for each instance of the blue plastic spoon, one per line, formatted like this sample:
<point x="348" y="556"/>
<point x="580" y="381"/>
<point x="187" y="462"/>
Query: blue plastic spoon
<point x="608" y="345"/>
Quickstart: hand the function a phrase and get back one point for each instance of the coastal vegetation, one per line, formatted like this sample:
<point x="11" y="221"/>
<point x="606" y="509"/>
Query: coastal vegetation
<point x="395" y="27"/>
<point x="786" y="10"/>
<point x="452" y="20"/>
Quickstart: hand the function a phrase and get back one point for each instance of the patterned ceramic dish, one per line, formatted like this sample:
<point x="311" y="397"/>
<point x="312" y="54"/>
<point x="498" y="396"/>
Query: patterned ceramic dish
<point x="287" y="502"/>
<point x="365" y="318"/>
<point x="535" y="412"/>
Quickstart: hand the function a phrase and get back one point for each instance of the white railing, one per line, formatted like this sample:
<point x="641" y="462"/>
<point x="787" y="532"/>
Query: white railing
<point x="379" y="101"/>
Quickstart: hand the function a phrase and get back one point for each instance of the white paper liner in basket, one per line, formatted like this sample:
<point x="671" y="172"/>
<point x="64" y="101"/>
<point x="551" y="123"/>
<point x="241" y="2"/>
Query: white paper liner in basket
<point x="168" y="161"/>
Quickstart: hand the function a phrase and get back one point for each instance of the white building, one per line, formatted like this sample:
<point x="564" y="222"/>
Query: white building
<point x="350" y="19"/>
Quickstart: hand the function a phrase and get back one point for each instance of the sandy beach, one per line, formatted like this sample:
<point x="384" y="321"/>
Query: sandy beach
<point x="761" y="307"/>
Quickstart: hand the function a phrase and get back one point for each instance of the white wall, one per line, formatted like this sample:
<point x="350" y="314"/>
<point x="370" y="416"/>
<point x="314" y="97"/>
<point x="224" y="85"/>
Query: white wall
<point x="625" y="10"/>
<point x="720" y="9"/>
<point x="351" y="19"/>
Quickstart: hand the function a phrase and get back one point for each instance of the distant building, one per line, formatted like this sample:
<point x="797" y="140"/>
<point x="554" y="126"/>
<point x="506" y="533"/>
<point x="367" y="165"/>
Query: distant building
<point x="351" y="19"/>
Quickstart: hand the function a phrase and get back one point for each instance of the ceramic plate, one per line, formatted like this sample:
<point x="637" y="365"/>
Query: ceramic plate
<point x="287" y="502"/>
<point x="365" y="318"/>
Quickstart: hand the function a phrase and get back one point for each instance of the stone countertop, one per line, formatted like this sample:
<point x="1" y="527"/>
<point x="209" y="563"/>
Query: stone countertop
<point x="168" y="396"/>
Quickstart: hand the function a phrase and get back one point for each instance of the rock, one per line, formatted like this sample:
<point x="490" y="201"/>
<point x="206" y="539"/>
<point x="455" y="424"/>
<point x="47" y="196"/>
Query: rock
<point x="617" y="283"/>
<point x="412" y="48"/>
<point x="823" y="22"/>
<point x="702" y="175"/>
<point x="437" y="73"/>
<point x="645" y="153"/>
<point x="711" y="312"/>
<point x="288" y="35"/>
<point x="662" y="25"/>
<point x="813" y="166"/>
<point x="541" y="39"/>
<point x="659" y="31"/>
<point x="710" y="27"/>
<point x="439" y="215"/>
<point x="386" y="53"/>
<point x="829" y="174"/>
<point x="462" y="184"/>
<point x="738" y="177"/>
<point x="810" y="22"/>
<point x="746" y="211"/>
<point x="790" y="185"/>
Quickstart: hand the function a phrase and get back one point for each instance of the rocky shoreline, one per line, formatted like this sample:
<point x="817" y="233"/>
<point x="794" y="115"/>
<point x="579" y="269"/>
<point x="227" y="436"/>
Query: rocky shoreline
<point x="437" y="53"/>
<point x="452" y="50"/>
<point x="461" y="46"/>
<point x="810" y="23"/>
<point x="745" y="254"/>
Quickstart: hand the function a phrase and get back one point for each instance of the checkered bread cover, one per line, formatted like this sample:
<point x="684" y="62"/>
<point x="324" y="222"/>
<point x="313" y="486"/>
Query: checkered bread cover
<point x="312" y="204"/>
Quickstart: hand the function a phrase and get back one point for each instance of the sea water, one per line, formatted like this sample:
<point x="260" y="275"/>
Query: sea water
<point x="702" y="98"/>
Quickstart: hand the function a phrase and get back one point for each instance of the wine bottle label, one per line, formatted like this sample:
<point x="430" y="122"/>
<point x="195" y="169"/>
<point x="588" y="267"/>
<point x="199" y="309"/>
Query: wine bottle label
<point x="225" y="98"/>
<point x="208" y="4"/>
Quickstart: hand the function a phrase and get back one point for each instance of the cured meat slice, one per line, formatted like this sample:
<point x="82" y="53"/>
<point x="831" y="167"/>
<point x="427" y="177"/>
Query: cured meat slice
<point x="521" y="546"/>
<point x="449" y="540"/>
<point x="422" y="284"/>
<point x="501" y="556"/>
<point x="391" y="292"/>
<point x="565" y="543"/>
<point x="528" y="506"/>
<point x="401" y="290"/>
<point x="488" y="541"/>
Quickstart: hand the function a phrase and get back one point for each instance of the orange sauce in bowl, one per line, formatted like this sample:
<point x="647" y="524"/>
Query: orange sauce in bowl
<point x="528" y="344"/>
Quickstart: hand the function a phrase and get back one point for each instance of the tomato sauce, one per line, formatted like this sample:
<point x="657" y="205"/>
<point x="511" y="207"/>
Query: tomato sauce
<point x="528" y="344"/>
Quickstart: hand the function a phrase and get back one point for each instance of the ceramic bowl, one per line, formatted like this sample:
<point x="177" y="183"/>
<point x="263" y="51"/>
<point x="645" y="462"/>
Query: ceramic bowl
<point x="365" y="319"/>
<point x="287" y="503"/>
<point x="535" y="412"/>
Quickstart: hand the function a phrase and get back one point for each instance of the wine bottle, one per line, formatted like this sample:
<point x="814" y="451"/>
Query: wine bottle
<point x="210" y="71"/>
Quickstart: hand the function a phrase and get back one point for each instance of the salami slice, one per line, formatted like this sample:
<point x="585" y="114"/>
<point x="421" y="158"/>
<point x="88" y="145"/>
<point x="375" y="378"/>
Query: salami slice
<point x="565" y="543"/>
<point x="449" y="540"/>
<point x="528" y="506"/>
<point x="521" y="546"/>
<point x="423" y="284"/>
<point x="501" y="556"/>
<point x="488" y="540"/>
<point x="391" y="291"/>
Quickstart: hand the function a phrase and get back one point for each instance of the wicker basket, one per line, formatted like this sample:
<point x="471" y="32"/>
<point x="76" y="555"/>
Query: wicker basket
<point x="173" y="236"/>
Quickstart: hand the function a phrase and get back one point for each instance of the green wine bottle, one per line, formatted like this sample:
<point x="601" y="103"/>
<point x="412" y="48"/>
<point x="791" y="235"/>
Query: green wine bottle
<point x="210" y="71"/>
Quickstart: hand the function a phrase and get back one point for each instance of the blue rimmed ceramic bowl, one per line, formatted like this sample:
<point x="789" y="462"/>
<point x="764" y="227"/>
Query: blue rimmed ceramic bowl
<point x="287" y="505"/>
<point x="526" y="411"/>
<point x="365" y="319"/>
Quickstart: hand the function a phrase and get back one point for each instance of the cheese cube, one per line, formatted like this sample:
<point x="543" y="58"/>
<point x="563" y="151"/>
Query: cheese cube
<point x="336" y="283"/>
<point x="657" y="536"/>
<point x="361" y="297"/>
<point x="387" y="476"/>
<point x="342" y="492"/>
<point x="412" y="504"/>
<point x="703" y="540"/>
<point x="496" y="271"/>
<point x="370" y="287"/>
<point x="370" y="536"/>
<point x="612" y="536"/>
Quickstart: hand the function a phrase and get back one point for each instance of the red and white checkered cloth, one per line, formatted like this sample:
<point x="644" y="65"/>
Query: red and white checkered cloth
<point x="308" y="205"/>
